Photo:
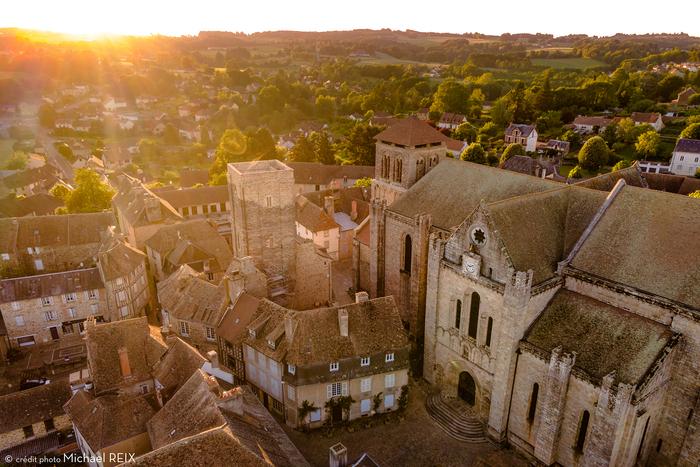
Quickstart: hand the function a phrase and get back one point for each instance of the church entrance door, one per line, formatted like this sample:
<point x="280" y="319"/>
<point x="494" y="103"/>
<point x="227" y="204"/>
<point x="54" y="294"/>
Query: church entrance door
<point x="467" y="388"/>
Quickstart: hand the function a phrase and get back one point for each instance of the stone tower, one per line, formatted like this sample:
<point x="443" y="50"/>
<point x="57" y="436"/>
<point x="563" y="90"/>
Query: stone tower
<point x="405" y="152"/>
<point x="262" y="212"/>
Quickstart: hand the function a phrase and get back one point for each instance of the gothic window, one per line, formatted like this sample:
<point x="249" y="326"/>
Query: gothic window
<point x="582" y="429"/>
<point x="474" y="315"/>
<point x="407" y="254"/>
<point x="420" y="168"/>
<point x="458" y="314"/>
<point x="489" y="330"/>
<point x="533" y="403"/>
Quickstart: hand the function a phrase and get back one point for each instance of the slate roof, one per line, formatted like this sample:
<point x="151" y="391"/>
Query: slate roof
<point x="410" y="132"/>
<point x="647" y="240"/>
<point x="176" y="365"/>
<point x="454" y="188"/>
<point x="45" y="174"/>
<point x="24" y="408"/>
<point x="40" y="204"/>
<point x="202" y="404"/>
<point x="313" y="217"/>
<point x="525" y="130"/>
<point x="687" y="145"/>
<point x="131" y="199"/>
<point x="190" y="177"/>
<point x="107" y="420"/>
<point x="554" y="221"/>
<point x="234" y="323"/>
<point x="592" y="121"/>
<point x="527" y="165"/>
<point x="172" y="242"/>
<point x="605" y="338"/>
<point x="311" y="173"/>
<point x="188" y="296"/>
<point x="103" y="343"/>
<point x="605" y="182"/>
<point x="54" y="284"/>
<point x="373" y="326"/>
<point x="672" y="183"/>
<point x="116" y="258"/>
<point x="344" y="199"/>
<point x="195" y="196"/>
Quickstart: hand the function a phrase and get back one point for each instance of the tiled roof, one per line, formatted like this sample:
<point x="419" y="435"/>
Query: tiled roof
<point x="688" y="145"/>
<point x="24" y="408"/>
<point x="116" y="258"/>
<point x="45" y="285"/>
<point x="187" y="296"/>
<point x="45" y="174"/>
<point x="410" y="132"/>
<point x="195" y="196"/>
<point x="313" y="217"/>
<point x="190" y="177"/>
<point x="110" y="419"/>
<point x="131" y="202"/>
<point x="524" y="129"/>
<point x="645" y="117"/>
<point x="648" y="240"/>
<point x="672" y="183"/>
<point x="311" y="173"/>
<point x="592" y="121"/>
<point x="103" y="343"/>
<point x="176" y="365"/>
<point x="453" y="189"/>
<point x="40" y="204"/>
<point x="233" y="325"/>
<point x="605" y="338"/>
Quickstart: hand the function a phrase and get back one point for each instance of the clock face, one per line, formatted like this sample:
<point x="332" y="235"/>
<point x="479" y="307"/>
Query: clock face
<point x="471" y="267"/>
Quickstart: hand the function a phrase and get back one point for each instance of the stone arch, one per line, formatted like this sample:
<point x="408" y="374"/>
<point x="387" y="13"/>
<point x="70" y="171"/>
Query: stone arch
<point x="466" y="388"/>
<point x="407" y="254"/>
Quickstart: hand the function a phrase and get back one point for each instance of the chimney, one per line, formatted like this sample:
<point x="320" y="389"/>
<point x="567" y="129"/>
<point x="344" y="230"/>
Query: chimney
<point x="213" y="358"/>
<point x="361" y="297"/>
<point x="288" y="327"/>
<point x="124" y="362"/>
<point x="338" y="456"/>
<point x="353" y="211"/>
<point x="329" y="205"/>
<point x="343" y="321"/>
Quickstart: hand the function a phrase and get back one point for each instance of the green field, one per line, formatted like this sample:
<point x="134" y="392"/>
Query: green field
<point x="577" y="63"/>
<point x="5" y="150"/>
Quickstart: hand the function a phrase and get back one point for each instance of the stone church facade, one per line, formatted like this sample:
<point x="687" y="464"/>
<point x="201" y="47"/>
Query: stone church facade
<point x="567" y="316"/>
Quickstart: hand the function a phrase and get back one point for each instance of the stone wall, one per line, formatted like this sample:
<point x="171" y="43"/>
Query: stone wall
<point x="313" y="286"/>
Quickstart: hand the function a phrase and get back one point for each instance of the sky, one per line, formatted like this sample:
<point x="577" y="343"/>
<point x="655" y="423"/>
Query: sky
<point x="180" y="17"/>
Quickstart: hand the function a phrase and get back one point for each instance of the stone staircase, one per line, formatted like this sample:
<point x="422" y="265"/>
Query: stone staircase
<point x="455" y="418"/>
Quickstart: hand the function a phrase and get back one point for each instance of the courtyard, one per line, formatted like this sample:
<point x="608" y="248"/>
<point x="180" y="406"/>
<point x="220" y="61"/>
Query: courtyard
<point x="402" y="439"/>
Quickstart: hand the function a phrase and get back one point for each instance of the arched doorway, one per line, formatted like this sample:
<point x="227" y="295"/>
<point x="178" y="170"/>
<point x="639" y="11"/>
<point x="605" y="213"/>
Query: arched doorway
<point x="467" y="388"/>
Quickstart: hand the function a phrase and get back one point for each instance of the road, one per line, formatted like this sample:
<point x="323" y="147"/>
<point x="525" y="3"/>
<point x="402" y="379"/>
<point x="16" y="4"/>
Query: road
<point x="52" y="155"/>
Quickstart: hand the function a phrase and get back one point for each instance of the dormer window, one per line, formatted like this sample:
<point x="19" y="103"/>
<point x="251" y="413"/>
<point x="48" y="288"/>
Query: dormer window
<point x="364" y="361"/>
<point x="334" y="366"/>
<point x="389" y="357"/>
<point x="291" y="369"/>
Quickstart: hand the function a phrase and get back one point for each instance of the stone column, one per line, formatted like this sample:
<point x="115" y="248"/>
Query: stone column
<point x="436" y="250"/>
<point x="377" y="232"/>
<point x="552" y="408"/>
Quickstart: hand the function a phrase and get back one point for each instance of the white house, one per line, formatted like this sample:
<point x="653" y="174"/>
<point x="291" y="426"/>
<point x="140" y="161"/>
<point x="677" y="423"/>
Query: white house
<point x="686" y="157"/>
<point x="525" y="135"/>
<point x="648" y="118"/>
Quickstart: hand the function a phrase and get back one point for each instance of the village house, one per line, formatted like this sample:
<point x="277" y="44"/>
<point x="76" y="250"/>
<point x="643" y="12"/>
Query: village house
<point x="586" y="125"/>
<point x="195" y="243"/>
<point x="423" y="114"/>
<point x="41" y="204"/>
<point x="671" y="183"/>
<point x="204" y="202"/>
<point x="317" y="224"/>
<point x="645" y="118"/>
<point x="310" y="176"/>
<point x="524" y="135"/>
<point x="232" y="331"/>
<point x="324" y="355"/>
<point x="536" y="167"/>
<point x="192" y="307"/>
<point x="450" y="121"/>
<point x="33" y="421"/>
<point x="140" y="212"/>
<point x="685" y="159"/>
<point x="684" y="96"/>
<point x="32" y="181"/>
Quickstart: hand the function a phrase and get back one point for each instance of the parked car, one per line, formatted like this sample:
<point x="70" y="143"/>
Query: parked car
<point x="32" y="383"/>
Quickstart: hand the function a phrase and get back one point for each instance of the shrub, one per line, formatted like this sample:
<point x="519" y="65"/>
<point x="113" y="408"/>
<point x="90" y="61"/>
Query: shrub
<point x="575" y="172"/>
<point x="593" y="154"/>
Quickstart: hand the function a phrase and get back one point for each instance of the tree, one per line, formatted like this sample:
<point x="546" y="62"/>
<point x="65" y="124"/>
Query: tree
<point x="304" y="411"/>
<point x="513" y="149"/>
<point x="60" y="191"/>
<point x="17" y="161"/>
<point x="692" y="131"/>
<point x="695" y="194"/>
<point x="270" y="98"/>
<point x="358" y="147"/>
<point x="91" y="194"/>
<point x="575" y="172"/>
<point x="231" y="148"/>
<point x="65" y="151"/>
<point x="548" y="120"/>
<point x="47" y="115"/>
<point x="465" y="132"/>
<point x="501" y="115"/>
<point x="303" y="150"/>
<point x="610" y="133"/>
<point x="593" y="154"/>
<point x="572" y="137"/>
<point x="325" y="107"/>
<point x="474" y="153"/>
<point x="260" y="145"/>
<point x="171" y="135"/>
<point x="623" y="164"/>
<point x="451" y="96"/>
<point x="322" y="147"/>
<point x="364" y="182"/>
<point x="625" y="131"/>
<point x="648" y="144"/>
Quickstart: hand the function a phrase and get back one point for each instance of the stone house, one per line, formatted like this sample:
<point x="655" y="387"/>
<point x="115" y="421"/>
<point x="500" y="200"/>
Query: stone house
<point x="140" y="212"/>
<point x="451" y="121"/>
<point x="195" y="243"/>
<point x="33" y="420"/>
<point x="204" y="202"/>
<point x="191" y="307"/>
<point x="32" y="181"/>
<point x="685" y="159"/>
<point x="316" y="223"/>
<point x="591" y="124"/>
<point x="524" y="135"/>
<point x="232" y="331"/>
<point x="318" y="356"/>
<point x="648" y="118"/>
<point x="311" y="176"/>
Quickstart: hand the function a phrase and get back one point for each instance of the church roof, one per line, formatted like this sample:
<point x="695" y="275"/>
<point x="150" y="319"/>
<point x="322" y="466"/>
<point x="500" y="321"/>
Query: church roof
<point x="605" y="338"/>
<point x="605" y="182"/>
<point x="410" y="132"/>
<point x="454" y="188"/>
<point x="648" y="240"/>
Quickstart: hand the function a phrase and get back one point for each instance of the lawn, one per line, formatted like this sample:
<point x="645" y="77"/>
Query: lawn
<point x="5" y="150"/>
<point x="577" y="63"/>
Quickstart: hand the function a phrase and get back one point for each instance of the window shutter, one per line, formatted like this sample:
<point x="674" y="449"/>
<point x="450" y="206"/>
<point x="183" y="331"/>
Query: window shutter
<point x="329" y="391"/>
<point x="345" y="388"/>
